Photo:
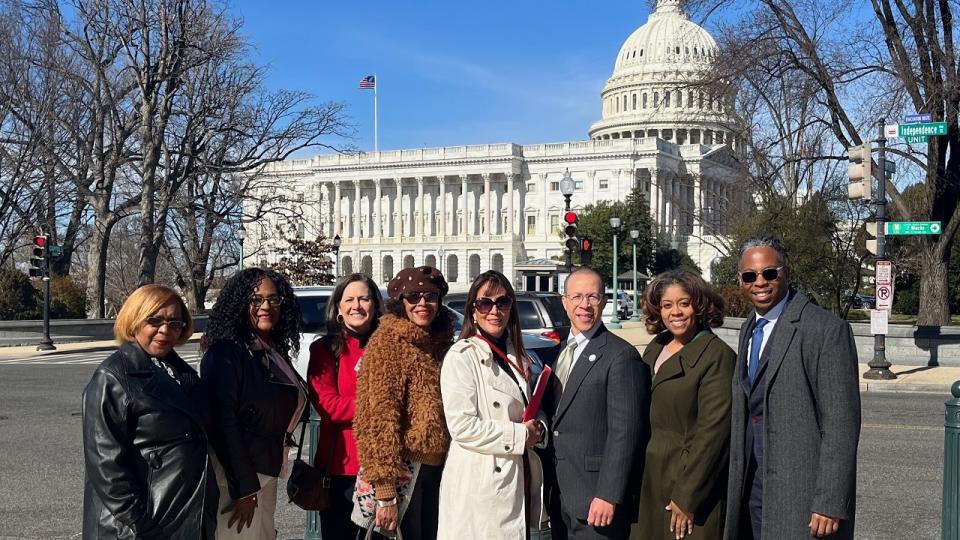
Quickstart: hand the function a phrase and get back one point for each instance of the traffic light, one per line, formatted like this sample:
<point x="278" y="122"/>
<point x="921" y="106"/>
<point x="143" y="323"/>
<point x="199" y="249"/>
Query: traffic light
<point x="570" y="218"/>
<point x="38" y="263"/>
<point x="586" y="251"/>
<point x="872" y="237"/>
<point x="860" y="172"/>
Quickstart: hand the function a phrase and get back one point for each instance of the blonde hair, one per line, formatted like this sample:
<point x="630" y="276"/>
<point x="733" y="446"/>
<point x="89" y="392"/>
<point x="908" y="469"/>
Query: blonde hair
<point x="142" y="304"/>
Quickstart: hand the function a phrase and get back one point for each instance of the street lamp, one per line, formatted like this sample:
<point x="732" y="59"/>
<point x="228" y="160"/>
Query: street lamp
<point x="336" y="256"/>
<point x="440" y="260"/>
<point x="567" y="187"/>
<point x="241" y="236"/>
<point x="615" y="319"/>
<point x="634" y="235"/>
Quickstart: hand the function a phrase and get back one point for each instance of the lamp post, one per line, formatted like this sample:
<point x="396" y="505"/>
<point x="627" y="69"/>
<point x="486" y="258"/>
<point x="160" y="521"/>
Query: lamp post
<point x="567" y="187"/>
<point x="440" y="260"/>
<point x="634" y="235"/>
<point x="241" y="236"/>
<point x="615" y="319"/>
<point x="336" y="256"/>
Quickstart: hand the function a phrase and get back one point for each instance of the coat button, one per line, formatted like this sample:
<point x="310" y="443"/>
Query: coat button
<point x="556" y="433"/>
<point x="496" y="404"/>
<point x="497" y="469"/>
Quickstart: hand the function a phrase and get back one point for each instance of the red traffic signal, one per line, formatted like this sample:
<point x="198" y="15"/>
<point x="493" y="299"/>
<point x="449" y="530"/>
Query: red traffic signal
<point x="586" y="244"/>
<point x="40" y="246"/>
<point x="570" y="217"/>
<point x="40" y="241"/>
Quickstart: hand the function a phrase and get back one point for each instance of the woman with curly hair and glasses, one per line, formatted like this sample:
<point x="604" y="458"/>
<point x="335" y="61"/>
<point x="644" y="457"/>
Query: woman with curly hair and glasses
<point x="351" y="318"/>
<point x="685" y="473"/>
<point x="399" y="426"/>
<point x="258" y="396"/>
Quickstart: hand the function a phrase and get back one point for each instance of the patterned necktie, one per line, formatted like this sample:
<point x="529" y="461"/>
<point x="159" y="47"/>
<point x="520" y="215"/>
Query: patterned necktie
<point x="755" y="343"/>
<point x="564" y="362"/>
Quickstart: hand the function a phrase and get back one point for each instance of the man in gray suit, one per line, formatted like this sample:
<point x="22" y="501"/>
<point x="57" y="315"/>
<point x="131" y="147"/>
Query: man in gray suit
<point x="599" y="427"/>
<point x="796" y="411"/>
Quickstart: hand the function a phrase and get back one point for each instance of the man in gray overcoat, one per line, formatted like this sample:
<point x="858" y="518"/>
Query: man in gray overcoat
<point x="796" y="411"/>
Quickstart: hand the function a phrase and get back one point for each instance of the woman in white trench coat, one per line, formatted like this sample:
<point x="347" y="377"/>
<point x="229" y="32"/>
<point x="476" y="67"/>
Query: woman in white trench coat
<point x="492" y="482"/>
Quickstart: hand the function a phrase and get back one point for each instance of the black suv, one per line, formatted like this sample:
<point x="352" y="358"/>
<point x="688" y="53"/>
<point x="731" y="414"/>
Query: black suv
<point x="541" y="313"/>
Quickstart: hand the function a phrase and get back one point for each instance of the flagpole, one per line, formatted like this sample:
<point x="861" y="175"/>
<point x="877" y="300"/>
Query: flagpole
<point x="376" y="142"/>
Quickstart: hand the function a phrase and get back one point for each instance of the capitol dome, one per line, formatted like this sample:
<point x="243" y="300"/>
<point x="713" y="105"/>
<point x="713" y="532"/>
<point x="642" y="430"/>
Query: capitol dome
<point x="656" y="87"/>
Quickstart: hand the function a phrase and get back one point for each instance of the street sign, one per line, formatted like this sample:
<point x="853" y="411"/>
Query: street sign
<point x="884" y="272"/>
<point x="917" y="118"/>
<point x="56" y="251"/>
<point x="884" y="291"/>
<point x="904" y="228"/>
<point x="931" y="128"/>
<point x="890" y="131"/>
<point x="889" y="166"/>
<point x="879" y="319"/>
<point x="915" y="139"/>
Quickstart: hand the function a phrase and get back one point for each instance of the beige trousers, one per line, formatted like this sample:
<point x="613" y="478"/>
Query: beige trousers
<point x="263" y="526"/>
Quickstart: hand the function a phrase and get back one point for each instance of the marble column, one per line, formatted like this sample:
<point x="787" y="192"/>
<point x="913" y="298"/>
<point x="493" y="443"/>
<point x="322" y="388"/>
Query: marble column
<point x="419" y="206"/>
<point x="655" y="200"/>
<point x="510" y="216"/>
<point x="442" y="226"/>
<point x="465" y="228"/>
<point x="668" y="206"/>
<point x="697" y="205"/>
<point x="357" y="231"/>
<point x="398" y="209"/>
<point x="488" y="210"/>
<point x="541" y="218"/>
<point x="337" y="224"/>
<point x="378" y="214"/>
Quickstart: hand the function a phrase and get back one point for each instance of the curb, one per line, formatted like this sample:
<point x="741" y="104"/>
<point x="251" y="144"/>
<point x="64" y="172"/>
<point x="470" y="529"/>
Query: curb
<point x="906" y="388"/>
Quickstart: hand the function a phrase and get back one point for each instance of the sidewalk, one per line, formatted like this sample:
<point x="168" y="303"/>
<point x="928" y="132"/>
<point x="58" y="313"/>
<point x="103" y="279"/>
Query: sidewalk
<point x="922" y="379"/>
<point x="64" y="348"/>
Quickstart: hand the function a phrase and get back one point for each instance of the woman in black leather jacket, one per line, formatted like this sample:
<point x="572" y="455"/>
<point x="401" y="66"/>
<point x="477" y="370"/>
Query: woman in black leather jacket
<point x="258" y="397"/>
<point x="145" y="415"/>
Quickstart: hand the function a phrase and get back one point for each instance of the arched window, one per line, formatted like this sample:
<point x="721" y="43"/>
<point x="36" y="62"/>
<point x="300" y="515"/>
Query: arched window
<point x="634" y="102"/>
<point x="474" y="266"/>
<point x="408" y="261"/>
<point x="498" y="262"/>
<point x="644" y="100"/>
<point x="387" y="268"/>
<point x="366" y="265"/>
<point x="451" y="268"/>
<point x="346" y="265"/>
<point x="624" y="103"/>
<point x="666" y="98"/>
<point x="656" y="99"/>
<point x="641" y="53"/>
<point x="618" y="104"/>
<point x="430" y="260"/>
<point x="689" y="99"/>
<point x="700" y="100"/>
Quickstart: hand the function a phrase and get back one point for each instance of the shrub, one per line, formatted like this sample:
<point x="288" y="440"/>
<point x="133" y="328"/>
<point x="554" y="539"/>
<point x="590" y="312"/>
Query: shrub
<point x="68" y="299"/>
<point x="19" y="300"/>
<point x="737" y="303"/>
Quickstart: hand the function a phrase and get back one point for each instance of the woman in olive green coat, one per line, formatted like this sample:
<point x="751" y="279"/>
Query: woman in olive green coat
<point x="684" y="477"/>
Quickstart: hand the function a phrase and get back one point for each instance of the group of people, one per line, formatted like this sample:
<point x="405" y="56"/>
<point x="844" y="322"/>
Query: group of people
<point x="428" y="436"/>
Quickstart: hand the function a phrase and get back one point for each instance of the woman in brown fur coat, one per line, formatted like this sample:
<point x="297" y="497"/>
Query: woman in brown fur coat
<point x="399" y="426"/>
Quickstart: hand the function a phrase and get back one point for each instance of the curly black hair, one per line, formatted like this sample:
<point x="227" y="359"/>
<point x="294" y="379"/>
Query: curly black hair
<point x="230" y="317"/>
<point x="708" y="305"/>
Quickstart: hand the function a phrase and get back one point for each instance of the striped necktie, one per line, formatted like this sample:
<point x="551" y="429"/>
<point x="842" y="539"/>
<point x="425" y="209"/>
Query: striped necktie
<point x="564" y="363"/>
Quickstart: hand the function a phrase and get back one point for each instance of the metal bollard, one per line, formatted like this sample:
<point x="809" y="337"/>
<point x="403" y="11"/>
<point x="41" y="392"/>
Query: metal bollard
<point x="311" y="526"/>
<point x="950" y="518"/>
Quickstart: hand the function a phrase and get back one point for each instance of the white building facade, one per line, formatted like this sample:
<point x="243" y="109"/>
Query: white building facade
<point x="467" y="209"/>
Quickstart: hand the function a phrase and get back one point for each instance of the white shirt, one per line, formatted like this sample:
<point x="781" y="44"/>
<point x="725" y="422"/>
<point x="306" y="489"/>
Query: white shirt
<point x="581" y="339"/>
<point x="767" y="330"/>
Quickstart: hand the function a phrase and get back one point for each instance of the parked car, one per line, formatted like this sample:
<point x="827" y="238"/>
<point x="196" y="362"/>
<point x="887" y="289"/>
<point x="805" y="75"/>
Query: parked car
<point x="313" y="305"/>
<point x="624" y="304"/>
<point x="541" y="313"/>
<point x="863" y="301"/>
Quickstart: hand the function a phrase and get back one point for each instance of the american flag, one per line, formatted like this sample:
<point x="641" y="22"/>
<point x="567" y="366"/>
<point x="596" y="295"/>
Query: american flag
<point x="367" y="82"/>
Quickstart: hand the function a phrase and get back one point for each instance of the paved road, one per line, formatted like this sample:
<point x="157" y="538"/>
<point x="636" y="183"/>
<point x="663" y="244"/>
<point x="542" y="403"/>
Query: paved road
<point x="41" y="473"/>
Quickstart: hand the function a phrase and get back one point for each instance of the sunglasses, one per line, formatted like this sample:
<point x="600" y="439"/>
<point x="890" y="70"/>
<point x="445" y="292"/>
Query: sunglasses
<point x="769" y="274"/>
<point x="484" y="305"/>
<point x="415" y="297"/>
<point x="174" y="326"/>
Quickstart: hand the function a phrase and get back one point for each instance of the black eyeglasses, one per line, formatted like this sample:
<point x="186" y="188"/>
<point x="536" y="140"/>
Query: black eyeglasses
<point x="272" y="301"/>
<point x="415" y="297"/>
<point x="769" y="274"/>
<point x="174" y="326"/>
<point x="484" y="305"/>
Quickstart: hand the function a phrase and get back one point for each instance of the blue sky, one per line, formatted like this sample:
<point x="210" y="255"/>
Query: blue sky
<point x="449" y="73"/>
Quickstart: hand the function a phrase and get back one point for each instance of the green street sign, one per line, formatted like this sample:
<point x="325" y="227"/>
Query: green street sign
<point x="56" y="251"/>
<point x="904" y="228"/>
<point x="930" y="129"/>
<point x="914" y="139"/>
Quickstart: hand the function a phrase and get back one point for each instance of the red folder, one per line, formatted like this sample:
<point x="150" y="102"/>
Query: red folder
<point x="543" y="381"/>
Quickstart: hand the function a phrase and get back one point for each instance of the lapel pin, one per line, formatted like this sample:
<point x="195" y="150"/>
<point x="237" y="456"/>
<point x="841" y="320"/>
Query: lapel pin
<point x="592" y="358"/>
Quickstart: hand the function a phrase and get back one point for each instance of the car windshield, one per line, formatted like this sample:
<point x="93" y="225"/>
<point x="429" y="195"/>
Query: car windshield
<point x="313" y="313"/>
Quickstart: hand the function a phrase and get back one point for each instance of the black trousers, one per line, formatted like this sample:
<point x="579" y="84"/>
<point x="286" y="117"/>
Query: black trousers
<point x="423" y="513"/>
<point x="335" y="521"/>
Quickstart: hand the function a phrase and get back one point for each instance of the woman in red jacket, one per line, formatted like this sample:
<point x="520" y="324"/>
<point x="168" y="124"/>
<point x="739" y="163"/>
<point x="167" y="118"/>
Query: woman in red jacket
<point x="352" y="315"/>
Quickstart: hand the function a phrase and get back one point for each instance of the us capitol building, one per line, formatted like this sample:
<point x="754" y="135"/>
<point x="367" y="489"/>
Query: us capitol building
<point x="467" y="209"/>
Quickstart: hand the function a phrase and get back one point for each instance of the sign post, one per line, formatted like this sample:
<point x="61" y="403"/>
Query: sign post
<point x="879" y="367"/>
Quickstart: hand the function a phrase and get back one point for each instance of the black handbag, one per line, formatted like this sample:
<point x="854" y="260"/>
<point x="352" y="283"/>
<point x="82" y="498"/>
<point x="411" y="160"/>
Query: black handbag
<point x="309" y="487"/>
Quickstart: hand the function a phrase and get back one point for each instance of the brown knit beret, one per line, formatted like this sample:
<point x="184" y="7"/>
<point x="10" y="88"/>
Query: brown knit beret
<point x="419" y="279"/>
